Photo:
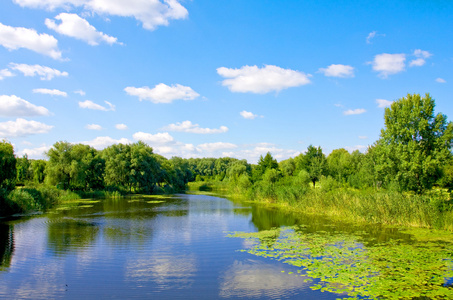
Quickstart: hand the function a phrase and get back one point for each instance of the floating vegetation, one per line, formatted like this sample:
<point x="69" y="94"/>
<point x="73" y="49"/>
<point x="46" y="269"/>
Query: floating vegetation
<point x="85" y="206"/>
<point x="343" y="265"/>
<point x="132" y="201"/>
<point x="155" y="201"/>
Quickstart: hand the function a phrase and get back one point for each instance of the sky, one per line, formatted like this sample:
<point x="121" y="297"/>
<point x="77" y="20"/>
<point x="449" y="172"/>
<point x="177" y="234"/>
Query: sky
<point x="203" y="78"/>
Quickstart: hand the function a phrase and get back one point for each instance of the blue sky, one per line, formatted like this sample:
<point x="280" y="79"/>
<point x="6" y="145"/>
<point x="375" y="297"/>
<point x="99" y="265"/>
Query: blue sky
<point x="198" y="78"/>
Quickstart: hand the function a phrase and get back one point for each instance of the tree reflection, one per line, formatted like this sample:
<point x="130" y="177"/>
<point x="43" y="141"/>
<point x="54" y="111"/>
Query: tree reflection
<point x="6" y="246"/>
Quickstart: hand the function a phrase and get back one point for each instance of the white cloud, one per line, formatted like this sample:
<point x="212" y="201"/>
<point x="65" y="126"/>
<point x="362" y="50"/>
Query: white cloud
<point x="22" y="127"/>
<point x="53" y="92"/>
<point x="80" y="92"/>
<point x="388" y="64"/>
<point x="5" y="73"/>
<point x="187" y="126"/>
<point x="45" y="73"/>
<point x="362" y="137"/>
<point x="91" y="105"/>
<point x="248" y="115"/>
<point x="357" y="111"/>
<point x="93" y="127"/>
<point x="440" y="80"/>
<point x="421" y="58"/>
<point x="383" y="103"/>
<point x="121" y="126"/>
<point x="151" y="13"/>
<point x="13" y="38"/>
<point x="261" y="80"/>
<point x="163" y="93"/>
<point x="372" y="35"/>
<point x="342" y="71"/>
<point x="158" y="138"/>
<point x="13" y="106"/>
<point x="35" y="153"/>
<point x="102" y="142"/>
<point x="74" y="26"/>
<point x="210" y="147"/>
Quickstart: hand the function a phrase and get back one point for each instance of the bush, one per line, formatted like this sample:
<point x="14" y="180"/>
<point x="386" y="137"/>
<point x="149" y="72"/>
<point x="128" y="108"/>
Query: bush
<point x="21" y="201"/>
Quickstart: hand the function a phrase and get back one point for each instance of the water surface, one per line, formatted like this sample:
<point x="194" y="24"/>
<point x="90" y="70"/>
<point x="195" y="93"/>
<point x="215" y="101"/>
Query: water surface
<point x="181" y="247"/>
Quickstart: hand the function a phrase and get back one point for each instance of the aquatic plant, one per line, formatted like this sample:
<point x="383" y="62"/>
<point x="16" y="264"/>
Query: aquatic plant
<point x="342" y="264"/>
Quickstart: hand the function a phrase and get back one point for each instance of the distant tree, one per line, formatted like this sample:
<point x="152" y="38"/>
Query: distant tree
<point x="264" y="163"/>
<point x="314" y="162"/>
<point x="24" y="170"/>
<point x="287" y="167"/>
<point x="7" y="167"/>
<point x="38" y="166"/>
<point x="339" y="163"/>
<point x="415" y="144"/>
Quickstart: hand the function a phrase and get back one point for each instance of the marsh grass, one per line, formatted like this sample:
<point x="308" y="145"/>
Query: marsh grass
<point x="433" y="209"/>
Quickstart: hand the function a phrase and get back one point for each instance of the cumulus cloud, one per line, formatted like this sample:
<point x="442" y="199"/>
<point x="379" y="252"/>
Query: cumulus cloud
<point x="440" y="80"/>
<point x="93" y="127"/>
<point x="261" y="80"/>
<point x="5" y="73"/>
<point x="13" y="38"/>
<point x="74" y="26"/>
<point x="342" y="71"/>
<point x="210" y="147"/>
<point x="102" y="142"/>
<point x="163" y="93"/>
<point x="357" y="111"/>
<point x="35" y="153"/>
<point x="52" y="92"/>
<point x="388" y="64"/>
<point x="91" y="105"/>
<point x="248" y="115"/>
<point x="121" y="126"/>
<point x="421" y="57"/>
<point x="22" y="127"/>
<point x="252" y="152"/>
<point x="187" y="126"/>
<point x="151" y="13"/>
<point x="382" y="103"/>
<point x="13" y="106"/>
<point x="45" y="73"/>
<point x="158" y="138"/>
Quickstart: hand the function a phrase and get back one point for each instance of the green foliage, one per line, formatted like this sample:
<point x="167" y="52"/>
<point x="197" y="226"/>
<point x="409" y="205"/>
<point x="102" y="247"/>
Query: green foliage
<point x="7" y="167"/>
<point x="340" y="263"/>
<point x="415" y="144"/>
<point x="314" y="162"/>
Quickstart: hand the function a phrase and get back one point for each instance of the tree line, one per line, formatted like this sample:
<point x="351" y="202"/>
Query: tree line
<point x="413" y="154"/>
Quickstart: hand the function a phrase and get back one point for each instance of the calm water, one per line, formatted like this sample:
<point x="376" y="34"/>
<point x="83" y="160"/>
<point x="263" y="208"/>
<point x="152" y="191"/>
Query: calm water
<point x="162" y="248"/>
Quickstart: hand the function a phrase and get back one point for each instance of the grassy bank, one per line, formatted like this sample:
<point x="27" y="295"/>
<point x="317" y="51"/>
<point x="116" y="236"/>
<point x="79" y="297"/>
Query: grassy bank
<point x="41" y="197"/>
<point x="431" y="210"/>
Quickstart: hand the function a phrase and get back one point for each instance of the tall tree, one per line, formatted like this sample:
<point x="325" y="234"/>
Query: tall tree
<point x="7" y="167"/>
<point x="417" y="142"/>
<point x="314" y="162"/>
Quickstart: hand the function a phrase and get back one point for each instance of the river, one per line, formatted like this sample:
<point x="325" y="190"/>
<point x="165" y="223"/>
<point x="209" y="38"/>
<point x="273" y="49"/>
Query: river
<point x="194" y="246"/>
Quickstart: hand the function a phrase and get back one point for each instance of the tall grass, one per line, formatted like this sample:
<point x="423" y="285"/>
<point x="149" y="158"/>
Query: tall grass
<point x="431" y="210"/>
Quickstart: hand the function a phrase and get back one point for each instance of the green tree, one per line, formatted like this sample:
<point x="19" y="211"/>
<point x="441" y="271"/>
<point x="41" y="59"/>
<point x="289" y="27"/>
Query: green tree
<point x="314" y="162"/>
<point x="38" y="167"/>
<point x="339" y="163"/>
<point x="7" y="167"/>
<point x="416" y="143"/>
<point x="264" y="163"/>
<point x="24" y="170"/>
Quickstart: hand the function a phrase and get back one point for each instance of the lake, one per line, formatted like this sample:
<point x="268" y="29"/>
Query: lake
<point x="195" y="246"/>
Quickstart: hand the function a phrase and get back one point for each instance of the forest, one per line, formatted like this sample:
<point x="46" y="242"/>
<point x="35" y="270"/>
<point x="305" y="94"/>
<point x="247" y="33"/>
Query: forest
<point x="404" y="178"/>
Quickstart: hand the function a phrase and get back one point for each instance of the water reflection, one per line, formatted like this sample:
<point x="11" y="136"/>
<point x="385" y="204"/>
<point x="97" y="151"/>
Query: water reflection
<point x="255" y="279"/>
<point x="6" y="246"/>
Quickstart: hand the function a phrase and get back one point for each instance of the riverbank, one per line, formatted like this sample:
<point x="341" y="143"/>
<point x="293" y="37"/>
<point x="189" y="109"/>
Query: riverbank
<point x="431" y="210"/>
<point x="41" y="197"/>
